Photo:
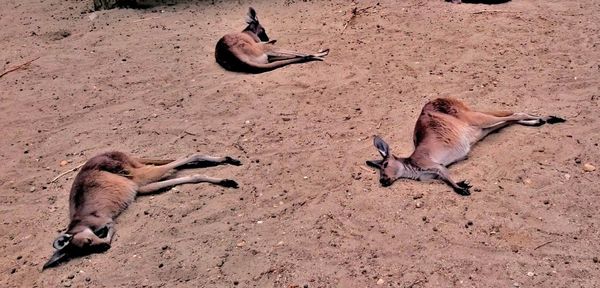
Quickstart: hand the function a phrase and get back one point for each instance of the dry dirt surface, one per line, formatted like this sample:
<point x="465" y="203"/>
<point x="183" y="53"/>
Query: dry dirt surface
<point x="308" y="212"/>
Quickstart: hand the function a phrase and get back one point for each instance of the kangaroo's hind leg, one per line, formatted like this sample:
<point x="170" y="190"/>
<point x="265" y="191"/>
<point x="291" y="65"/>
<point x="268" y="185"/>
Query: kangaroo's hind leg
<point x="158" y="187"/>
<point x="493" y="121"/>
<point x="149" y="173"/>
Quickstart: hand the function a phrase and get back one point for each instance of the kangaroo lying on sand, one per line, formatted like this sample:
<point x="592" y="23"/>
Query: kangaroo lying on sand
<point x="107" y="184"/>
<point x="251" y="51"/>
<point x="444" y="134"/>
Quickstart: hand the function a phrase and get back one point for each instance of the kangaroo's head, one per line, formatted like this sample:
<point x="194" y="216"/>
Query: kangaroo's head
<point x="390" y="168"/>
<point x="79" y="241"/>
<point x="255" y="27"/>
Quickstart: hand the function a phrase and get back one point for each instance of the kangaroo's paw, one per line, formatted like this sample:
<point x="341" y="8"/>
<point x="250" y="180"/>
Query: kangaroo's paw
<point x="233" y="161"/>
<point x="229" y="183"/>
<point x="463" y="188"/>
<point x="554" y="120"/>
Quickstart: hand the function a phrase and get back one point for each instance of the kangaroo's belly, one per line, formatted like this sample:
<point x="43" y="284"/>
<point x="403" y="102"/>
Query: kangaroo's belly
<point x="454" y="152"/>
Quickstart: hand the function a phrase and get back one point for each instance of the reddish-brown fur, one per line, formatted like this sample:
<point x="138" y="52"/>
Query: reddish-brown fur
<point x="444" y="133"/>
<point x="251" y="51"/>
<point x="107" y="184"/>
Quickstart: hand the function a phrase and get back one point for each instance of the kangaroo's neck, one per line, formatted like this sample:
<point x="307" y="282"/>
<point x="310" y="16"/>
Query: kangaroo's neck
<point x="410" y="170"/>
<point x="251" y="33"/>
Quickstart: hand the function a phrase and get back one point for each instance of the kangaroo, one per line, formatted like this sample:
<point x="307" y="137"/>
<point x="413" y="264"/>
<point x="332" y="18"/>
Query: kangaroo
<point x="107" y="184"/>
<point x="444" y="133"/>
<point x="251" y="50"/>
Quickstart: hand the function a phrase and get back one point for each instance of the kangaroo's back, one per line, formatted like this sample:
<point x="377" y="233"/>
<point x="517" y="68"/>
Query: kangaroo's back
<point x="441" y="119"/>
<point x="101" y="187"/>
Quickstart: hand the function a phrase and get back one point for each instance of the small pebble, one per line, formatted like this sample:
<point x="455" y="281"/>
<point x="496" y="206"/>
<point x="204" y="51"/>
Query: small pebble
<point x="418" y="196"/>
<point x="165" y="247"/>
<point x="435" y="229"/>
<point x="236" y="283"/>
<point x="567" y="176"/>
<point x="160" y="265"/>
<point x="595" y="259"/>
<point x="64" y="162"/>
<point x="380" y="281"/>
<point x="516" y="284"/>
<point x="546" y="202"/>
<point x="241" y="244"/>
<point x="71" y="276"/>
<point x="88" y="279"/>
<point x="67" y="284"/>
<point x="418" y="204"/>
<point x="587" y="167"/>
<point x="32" y="189"/>
<point x="530" y="274"/>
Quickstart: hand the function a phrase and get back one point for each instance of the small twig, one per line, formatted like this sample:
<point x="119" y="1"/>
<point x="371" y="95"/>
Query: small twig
<point x="379" y="125"/>
<point x="22" y="66"/>
<point x="240" y="147"/>
<point x="366" y="169"/>
<point x="540" y="246"/>
<point x="355" y="12"/>
<point x="144" y="19"/>
<point x="66" y="172"/>
<point x="415" y="283"/>
<point x="493" y="11"/>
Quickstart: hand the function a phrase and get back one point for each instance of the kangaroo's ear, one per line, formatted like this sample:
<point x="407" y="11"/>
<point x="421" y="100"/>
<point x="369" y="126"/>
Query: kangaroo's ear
<point x="102" y="232"/>
<point x="55" y="259"/>
<point x="375" y="163"/>
<point x="251" y="17"/>
<point x="381" y="146"/>
<point x="62" y="241"/>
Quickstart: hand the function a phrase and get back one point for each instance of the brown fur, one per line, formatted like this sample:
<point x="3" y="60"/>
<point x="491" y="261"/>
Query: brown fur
<point x="251" y="51"/>
<point x="444" y="133"/>
<point x="107" y="184"/>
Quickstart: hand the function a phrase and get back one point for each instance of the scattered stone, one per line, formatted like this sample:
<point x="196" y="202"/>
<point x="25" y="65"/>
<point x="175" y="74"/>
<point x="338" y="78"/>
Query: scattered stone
<point x="67" y="284"/>
<point x="567" y="177"/>
<point x="32" y="189"/>
<point x="435" y="229"/>
<point x="160" y="265"/>
<point x="236" y="282"/>
<point x="530" y="274"/>
<point x="64" y="162"/>
<point x="418" y="196"/>
<point x="470" y="223"/>
<point x="527" y="181"/>
<point x="88" y="279"/>
<point x="546" y="202"/>
<point x="71" y="276"/>
<point x="279" y="243"/>
<point x="259" y="222"/>
<point x="516" y="284"/>
<point x="595" y="259"/>
<point x="13" y="270"/>
<point x="241" y="244"/>
<point x="588" y="167"/>
<point x="165" y="247"/>
<point x="418" y="204"/>
<point x="380" y="281"/>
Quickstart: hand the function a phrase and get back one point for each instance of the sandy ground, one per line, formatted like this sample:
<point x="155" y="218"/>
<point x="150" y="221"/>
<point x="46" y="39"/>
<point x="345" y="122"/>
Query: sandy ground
<point x="308" y="211"/>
